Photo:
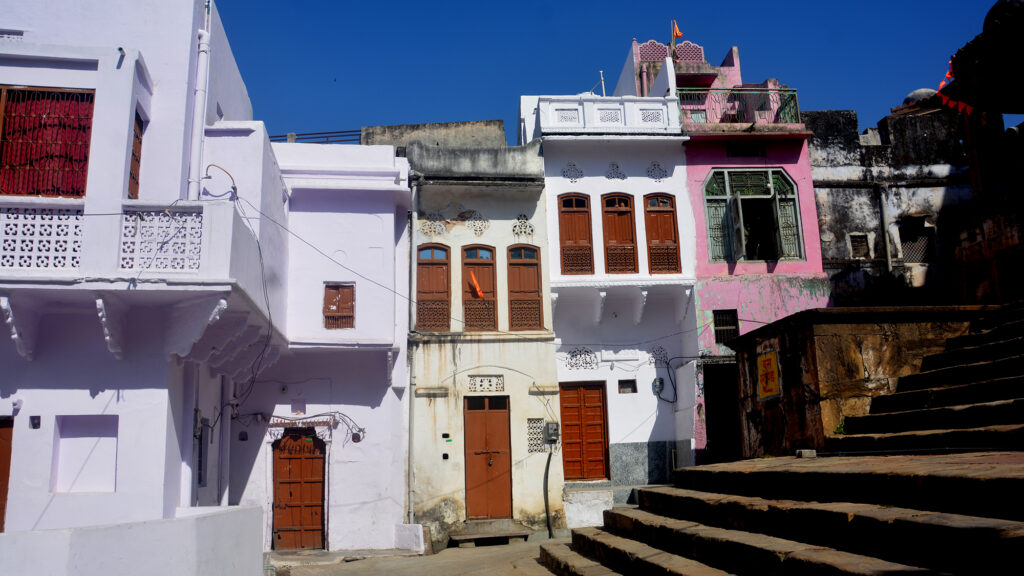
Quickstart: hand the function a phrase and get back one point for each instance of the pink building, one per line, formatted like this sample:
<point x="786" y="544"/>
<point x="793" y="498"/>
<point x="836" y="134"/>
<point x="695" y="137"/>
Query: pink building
<point x="758" y="253"/>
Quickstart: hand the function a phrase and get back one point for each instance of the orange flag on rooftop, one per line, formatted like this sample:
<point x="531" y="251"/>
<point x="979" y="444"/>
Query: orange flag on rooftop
<point x="475" y="285"/>
<point x="675" y="31"/>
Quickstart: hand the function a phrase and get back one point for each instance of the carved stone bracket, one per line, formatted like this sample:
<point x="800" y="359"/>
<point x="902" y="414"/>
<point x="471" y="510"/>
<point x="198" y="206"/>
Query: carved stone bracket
<point x="219" y="334"/>
<point x="641" y="303"/>
<point x="270" y="357"/>
<point x="684" y="304"/>
<point x="656" y="172"/>
<point x="602" y="295"/>
<point x="223" y="357"/>
<point x="572" y="172"/>
<point x="554" y="302"/>
<point x="188" y="321"/>
<point x="113" y="318"/>
<point x="23" y="326"/>
<point x="389" y="366"/>
<point x="581" y="358"/>
<point x="522" y="227"/>
<point x="614" y="173"/>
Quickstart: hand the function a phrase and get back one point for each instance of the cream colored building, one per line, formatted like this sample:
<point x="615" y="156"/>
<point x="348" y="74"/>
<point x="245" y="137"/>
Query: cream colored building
<point x="482" y="349"/>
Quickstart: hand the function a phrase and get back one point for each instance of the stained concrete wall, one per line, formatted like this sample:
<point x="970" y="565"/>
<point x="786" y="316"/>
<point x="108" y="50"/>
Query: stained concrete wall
<point x="832" y="362"/>
<point x="476" y="134"/>
<point x="912" y="166"/>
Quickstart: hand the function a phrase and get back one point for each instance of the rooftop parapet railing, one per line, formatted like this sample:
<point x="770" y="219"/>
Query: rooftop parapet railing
<point x="738" y="105"/>
<point x="335" y="137"/>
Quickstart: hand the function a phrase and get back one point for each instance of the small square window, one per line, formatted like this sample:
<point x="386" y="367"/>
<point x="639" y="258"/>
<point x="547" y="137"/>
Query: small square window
<point x="727" y="325"/>
<point x="627" y="386"/>
<point x="859" y="246"/>
<point x="339" y="306"/>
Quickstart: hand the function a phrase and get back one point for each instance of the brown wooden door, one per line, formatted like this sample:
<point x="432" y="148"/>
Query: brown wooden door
<point x="584" y="431"/>
<point x="488" y="458"/>
<point x="299" y="490"/>
<point x="6" y="442"/>
<point x="619" y="234"/>
<point x="433" y="308"/>
<point x="662" y="240"/>
<point x="574" y="234"/>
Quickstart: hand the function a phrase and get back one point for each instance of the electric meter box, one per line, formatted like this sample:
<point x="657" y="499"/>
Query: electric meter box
<point x="551" y="432"/>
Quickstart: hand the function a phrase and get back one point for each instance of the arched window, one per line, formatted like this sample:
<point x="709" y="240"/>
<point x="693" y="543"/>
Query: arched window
<point x="752" y="215"/>
<point x="662" y="233"/>
<point x="524" y="288"/>
<point x="619" y="234"/>
<point x="478" y="296"/>
<point x="433" y="279"/>
<point x="574" y="234"/>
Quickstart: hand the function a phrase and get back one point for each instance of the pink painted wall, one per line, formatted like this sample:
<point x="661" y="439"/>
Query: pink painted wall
<point x="790" y="155"/>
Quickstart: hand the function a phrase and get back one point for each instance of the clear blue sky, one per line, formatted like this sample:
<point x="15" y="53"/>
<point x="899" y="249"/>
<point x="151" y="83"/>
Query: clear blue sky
<point x="317" y="65"/>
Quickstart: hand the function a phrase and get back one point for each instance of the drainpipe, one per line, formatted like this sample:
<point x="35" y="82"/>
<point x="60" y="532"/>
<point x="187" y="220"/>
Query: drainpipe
<point x="199" y="108"/>
<point x="410" y="474"/>
<point x="885" y="224"/>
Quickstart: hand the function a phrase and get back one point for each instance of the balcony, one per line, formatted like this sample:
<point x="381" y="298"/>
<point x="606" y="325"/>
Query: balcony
<point x="590" y="114"/>
<point x="736" y="109"/>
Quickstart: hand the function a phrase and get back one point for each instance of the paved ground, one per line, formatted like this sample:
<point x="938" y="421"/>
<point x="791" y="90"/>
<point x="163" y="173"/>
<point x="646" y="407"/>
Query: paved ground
<point x="518" y="559"/>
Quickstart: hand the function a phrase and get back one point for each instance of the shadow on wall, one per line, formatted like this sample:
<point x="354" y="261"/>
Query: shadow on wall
<point x="313" y="382"/>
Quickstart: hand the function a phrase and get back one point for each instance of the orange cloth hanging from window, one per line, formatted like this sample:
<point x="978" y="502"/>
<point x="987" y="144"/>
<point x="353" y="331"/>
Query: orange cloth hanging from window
<point x="475" y="285"/>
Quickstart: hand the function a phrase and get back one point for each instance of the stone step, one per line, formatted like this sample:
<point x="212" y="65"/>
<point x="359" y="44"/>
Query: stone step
<point x="963" y="374"/>
<point x="988" y="438"/>
<point x="741" y="552"/>
<point x="985" y="484"/>
<point x="987" y="352"/>
<point x="962" y="416"/>
<point x="929" y="539"/>
<point x="563" y="561"/>
<point x="632" y="557"/>
<point x="995" y="332"/>
<point x="1006" y="314"/>
<point x="988" y="391"/>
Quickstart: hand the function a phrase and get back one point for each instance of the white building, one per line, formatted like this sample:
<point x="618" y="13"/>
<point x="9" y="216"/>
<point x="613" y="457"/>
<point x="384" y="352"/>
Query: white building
<point x="193" y="311"/>
<point x="621" y="265"/>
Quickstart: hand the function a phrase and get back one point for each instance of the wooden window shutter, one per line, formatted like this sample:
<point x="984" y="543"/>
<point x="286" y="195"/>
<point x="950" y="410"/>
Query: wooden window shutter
<point x="524" y="288"/>
<point x="433" y="289"/>
<point x="136" y="164"/>
<point x="574" y="234"/>
<point x="662" y="238"/>
<point x="619" y="234"/>
<point x="479" y="307"/>
<point x="339" y="306"/>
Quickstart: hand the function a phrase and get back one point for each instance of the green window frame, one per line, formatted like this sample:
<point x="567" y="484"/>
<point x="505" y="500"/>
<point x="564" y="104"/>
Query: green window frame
<point x="752" y="215"/>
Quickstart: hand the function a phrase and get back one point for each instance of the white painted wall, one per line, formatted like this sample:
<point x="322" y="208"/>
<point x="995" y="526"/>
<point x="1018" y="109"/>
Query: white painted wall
<point x="74" y="374"/>
<point x="194" y="544"/>
<point x="633" y="157"/>
<point x="366" y="480"/>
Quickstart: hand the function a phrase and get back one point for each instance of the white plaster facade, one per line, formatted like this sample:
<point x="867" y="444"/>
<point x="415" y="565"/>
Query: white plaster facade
<point x="181" y="316"/>
<point x="621" y="328"/>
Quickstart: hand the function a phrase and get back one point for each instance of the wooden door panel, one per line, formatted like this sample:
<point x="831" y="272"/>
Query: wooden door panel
<point x="488" y="458"/>
<point x="584" y="431"/>
<point x="299" y="464"/>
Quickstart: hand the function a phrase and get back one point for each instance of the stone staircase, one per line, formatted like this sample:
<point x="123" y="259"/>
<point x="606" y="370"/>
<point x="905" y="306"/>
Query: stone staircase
<point x="911" y="514"/>
<point x="968" y="398"/>
<point x="940" y="495"/>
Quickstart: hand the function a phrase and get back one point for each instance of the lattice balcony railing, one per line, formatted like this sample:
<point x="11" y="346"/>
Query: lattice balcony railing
<point x="739" y="105"/>
<point x="336" y="321"/>
<point x="480" y="315"/>
<point x="664" y="258"/>
<point x="525" y="315"/>
<point x="621" y="259"/>
<point x="577" y="260"/>
<point x="162" y="240"/>
<point x="40" y="238"/>
<point x="433" y="316"/>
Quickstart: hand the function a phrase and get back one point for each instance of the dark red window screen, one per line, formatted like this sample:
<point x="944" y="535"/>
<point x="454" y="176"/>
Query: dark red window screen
<point x="44" y="141"/>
